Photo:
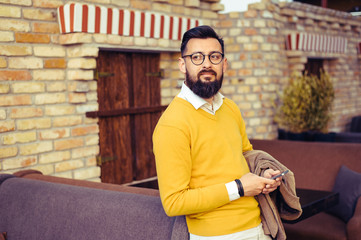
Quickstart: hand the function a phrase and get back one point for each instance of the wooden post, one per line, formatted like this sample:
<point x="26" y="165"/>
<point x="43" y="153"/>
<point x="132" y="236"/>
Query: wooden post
<point x="324" y="3"/>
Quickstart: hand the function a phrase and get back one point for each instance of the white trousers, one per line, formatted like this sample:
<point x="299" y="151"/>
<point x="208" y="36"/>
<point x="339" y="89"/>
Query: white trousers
<point x="255" y="233"/>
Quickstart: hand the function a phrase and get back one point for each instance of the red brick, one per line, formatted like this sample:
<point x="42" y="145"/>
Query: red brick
<point x="15" y="100"/>
<point x="250" y="31"/>
<point x="40" y="27"/>
<point x="245" y="72"/>
<point x="35" y="148"/>
<point x="31" y="38"/>
<point x="68" y="144"/>
<point x="7" y="126"/>
<point x="250" y="14"/>
<point x="47" y="3"/>
<point x="242" y="56"/>
<point x="226" y="24"/>
<point x="40" y="14"/>
<point x="6" y="75"/>
<point x="67" y="121"/>
<point x="8" y="152"/>
<point x="55" y="63"/>
<point x="14" y="25"/>
<point x="26" y="112"/>
<point x="28" y="161"/>
<point x="142" y="5"/>
<point x="77" y="97"/>
<point x="54" y="134"/>
<point x="15" y="50"/>
<point x="231" y="72"/>
<point x="81" y="131"/>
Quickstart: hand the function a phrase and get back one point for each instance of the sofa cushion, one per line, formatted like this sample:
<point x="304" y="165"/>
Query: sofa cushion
<point x="321" y="226"/>
<point x="33" y="210"/>
<point x="348" y="184"/>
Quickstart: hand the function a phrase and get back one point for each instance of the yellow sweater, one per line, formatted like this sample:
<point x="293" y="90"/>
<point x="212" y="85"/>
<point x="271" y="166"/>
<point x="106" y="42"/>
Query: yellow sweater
<point x="196" y="155"/>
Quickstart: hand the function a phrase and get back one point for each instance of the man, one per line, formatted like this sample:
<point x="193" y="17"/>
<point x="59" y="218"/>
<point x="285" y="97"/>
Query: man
<point x="199" y="143"/>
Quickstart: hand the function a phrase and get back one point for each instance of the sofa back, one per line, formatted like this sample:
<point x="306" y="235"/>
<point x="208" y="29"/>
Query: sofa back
<point x="32" y="209"/>
<point x="35" y="174"/>
<point x="315" y="164"/>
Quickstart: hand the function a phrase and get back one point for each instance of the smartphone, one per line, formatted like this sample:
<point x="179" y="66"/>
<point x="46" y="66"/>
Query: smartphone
<point x="280" y="175"/>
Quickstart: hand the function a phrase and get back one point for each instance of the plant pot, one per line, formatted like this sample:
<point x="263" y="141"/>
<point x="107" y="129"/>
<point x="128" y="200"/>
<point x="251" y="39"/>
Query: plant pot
<point x="309" y="136"/>
<point x="287" y="135"/>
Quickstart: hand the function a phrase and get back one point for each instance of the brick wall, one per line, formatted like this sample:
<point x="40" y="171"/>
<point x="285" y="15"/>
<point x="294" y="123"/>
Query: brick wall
<point x="255" y="50"/>
<point x="42" y="121"/>
<point x="260" y="63"/>
<point x="47" y="79"/>
<point x="343" y="68"/>
<point x="47" y="82"/>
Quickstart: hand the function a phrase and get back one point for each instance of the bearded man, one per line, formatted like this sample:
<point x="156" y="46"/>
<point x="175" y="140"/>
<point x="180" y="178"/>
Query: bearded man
<point x="199" y="144"/>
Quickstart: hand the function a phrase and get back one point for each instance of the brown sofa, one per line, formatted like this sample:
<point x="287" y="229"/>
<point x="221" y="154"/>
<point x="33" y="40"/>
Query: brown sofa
<point x="34" y="206"/>
<point x="317" y="165"/>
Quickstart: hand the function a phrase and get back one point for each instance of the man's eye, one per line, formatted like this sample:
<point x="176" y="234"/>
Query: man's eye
<point x="216" y="56"/>
<point x="197" y="57"/>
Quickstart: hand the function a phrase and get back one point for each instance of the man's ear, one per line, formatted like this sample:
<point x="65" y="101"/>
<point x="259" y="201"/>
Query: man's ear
<point x="225" y="65"/>
<point x="182" y="65"/>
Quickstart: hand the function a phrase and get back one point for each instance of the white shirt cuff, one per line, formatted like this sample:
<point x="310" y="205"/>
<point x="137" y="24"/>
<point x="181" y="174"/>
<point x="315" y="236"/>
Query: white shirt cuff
<point x="232" y="189"/>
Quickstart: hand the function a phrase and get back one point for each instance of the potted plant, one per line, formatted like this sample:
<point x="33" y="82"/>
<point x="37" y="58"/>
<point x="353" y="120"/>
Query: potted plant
<point x="304" y="108"/>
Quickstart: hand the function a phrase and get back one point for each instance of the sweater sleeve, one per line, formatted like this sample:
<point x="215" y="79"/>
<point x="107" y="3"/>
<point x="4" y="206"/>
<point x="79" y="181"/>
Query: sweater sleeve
<point x="174" y="166"/>
<point x="246" y="145"/>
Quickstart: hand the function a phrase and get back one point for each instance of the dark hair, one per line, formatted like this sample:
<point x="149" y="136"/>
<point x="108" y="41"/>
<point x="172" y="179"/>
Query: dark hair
<point x="200" y="32"/>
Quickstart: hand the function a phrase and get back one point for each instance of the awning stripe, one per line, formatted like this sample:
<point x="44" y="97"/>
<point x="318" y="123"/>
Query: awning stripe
<point x="316" y="42"/>
<point x="88" y="18"/>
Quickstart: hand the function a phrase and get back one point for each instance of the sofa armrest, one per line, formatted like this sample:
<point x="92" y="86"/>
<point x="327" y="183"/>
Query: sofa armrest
<point x="23" y="173"/>
<point x="354" y="224"/>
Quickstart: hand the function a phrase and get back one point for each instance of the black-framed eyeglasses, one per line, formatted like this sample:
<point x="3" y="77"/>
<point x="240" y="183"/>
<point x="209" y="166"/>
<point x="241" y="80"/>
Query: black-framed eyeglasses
<point x="198" y="58"/>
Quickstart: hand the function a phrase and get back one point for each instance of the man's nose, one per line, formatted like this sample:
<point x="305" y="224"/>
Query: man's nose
<point x="207" y="63"/>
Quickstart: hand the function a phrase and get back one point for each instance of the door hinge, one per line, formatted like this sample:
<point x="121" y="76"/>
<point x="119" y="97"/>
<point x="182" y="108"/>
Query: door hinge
<point x="159" y="74"/>
<point x="98" y="74"/>
<point x="102" y="159"/>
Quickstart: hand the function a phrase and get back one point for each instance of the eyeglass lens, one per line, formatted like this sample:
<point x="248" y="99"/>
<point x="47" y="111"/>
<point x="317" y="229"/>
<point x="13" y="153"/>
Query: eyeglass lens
<point x="198" y="58"/>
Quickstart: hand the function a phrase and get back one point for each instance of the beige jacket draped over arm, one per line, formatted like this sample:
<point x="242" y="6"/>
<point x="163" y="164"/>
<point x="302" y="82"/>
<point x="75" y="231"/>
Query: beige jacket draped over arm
<point x="280" y="204"/>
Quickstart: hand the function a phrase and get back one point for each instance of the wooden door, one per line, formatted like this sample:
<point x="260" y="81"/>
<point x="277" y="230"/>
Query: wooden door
<point x="314" y="66"/>
<point x="129" y="108"/>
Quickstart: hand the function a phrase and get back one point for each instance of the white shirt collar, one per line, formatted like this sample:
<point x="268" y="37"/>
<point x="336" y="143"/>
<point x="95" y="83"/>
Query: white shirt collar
<point x="197" y="101"/>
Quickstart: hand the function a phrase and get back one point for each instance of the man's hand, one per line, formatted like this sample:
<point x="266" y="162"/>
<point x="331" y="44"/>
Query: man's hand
<point x="254" y="185"/>
<point x="269" y="173"/>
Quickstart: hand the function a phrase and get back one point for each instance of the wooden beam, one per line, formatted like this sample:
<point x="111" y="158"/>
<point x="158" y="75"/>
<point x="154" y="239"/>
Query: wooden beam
<point x="324" y="3"/>
<point x="126" y="111"/>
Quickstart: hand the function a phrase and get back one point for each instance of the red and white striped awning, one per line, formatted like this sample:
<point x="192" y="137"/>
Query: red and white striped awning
<point x="316" y="42"/>
<point x="76" y="17"/>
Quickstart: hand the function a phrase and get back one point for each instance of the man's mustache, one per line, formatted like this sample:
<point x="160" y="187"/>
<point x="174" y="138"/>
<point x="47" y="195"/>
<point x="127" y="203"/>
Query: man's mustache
<point x="209" y="71"/>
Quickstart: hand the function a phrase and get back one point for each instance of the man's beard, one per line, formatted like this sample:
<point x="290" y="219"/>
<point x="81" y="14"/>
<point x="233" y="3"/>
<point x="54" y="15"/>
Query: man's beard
<point x="205" y="89"/>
